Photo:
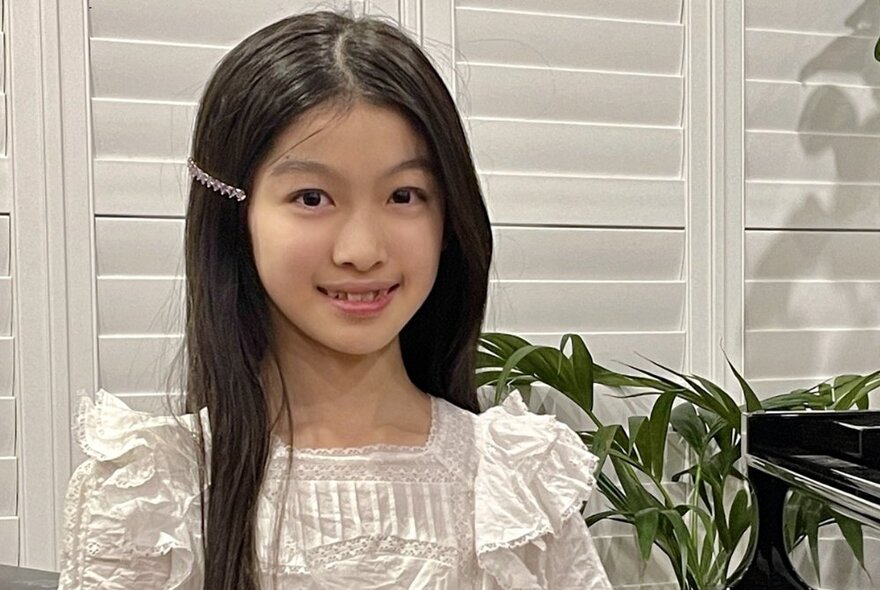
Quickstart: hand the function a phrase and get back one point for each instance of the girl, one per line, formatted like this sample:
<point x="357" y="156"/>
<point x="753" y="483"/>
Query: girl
<point x="337" y="260"/>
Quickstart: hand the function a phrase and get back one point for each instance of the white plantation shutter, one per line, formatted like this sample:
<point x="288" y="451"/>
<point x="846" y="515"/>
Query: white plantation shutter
<point x="812" y="165"/>
<point x="575" y="115"/>
<point x="9" y="520"/>
<point x="812" y="191"/>
<point x="609" y="142"/>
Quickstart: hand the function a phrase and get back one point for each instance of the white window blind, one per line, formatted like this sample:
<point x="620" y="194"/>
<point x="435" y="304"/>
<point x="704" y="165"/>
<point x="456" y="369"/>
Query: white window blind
<point x="812" y="191"/>
<point x="580" y="114"/>
<point x="575" y="113"/>
<point x="8" y="411"/>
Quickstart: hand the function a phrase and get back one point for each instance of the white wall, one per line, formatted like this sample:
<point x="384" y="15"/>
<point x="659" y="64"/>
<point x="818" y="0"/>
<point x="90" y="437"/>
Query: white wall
<point x="662" y="177"/>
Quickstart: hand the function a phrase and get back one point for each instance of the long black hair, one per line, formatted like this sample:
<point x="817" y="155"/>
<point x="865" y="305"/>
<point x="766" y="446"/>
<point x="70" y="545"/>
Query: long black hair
<point x="259" y="88"/>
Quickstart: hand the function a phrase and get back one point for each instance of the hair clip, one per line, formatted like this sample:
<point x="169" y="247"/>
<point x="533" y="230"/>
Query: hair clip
<point x="212" y="183"/>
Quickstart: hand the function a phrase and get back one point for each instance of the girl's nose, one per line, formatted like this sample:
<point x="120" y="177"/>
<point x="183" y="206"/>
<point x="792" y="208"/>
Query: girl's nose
<point x="360" y="242"/>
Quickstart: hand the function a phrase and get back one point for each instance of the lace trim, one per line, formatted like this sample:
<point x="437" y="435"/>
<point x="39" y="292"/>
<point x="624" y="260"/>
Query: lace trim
<point x="427" y="472"/>
<point x="74" y="531"/>
<point x="94" y="549"/>
<point x="329" y="556"/>
<point x="282" y="448"/>
<point x="461" y="458"/>
<point x="527" y="538"/>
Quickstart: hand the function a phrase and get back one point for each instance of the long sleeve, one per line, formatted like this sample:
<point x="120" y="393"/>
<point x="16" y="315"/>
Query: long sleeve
<point x="131" y="513"/>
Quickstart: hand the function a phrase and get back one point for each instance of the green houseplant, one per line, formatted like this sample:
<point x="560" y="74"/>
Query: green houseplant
<point x="708" y="536"/>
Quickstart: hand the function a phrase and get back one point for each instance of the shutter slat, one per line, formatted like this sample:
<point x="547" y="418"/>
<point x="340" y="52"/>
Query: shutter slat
<point x="9" y="531"/>
<point x="7" y="426"/>
<point x="657" y="10"/>
<point x="799" y="353"/>
<point x="775" y="55"/>
<point x="516" y="198"/>
<point x="5" y="241"/>
<point x="7" y="365"/>
<point x="150" y="71"/>
<point x="157" y="131"/>
<point x="6" y="308"/>
<point x="5" y="185"/>
<point x="121" y="244"/>
<point x="140" y="188"/>
<point x="548" y="41"/>
<point x="222" y="22"/>
<point x="601" y="254"/>
<point x="140" y="306"/>
<point x="564" y="95"/>
<point x="135" y="364"/>
<point x="500" y="146"/>
<point x="780" y="255"/>
<point x="794" y="305"/>
<point x="837" y="17"/>
<point x="586" y="306"/>
<point x="778" y="205"/>
<point x="812" y="157"/>
<point x="8" y="486"/>
<point x="791" y="106"/>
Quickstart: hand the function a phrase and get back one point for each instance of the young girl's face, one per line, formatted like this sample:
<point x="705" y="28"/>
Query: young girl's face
<point x="345" y="197"/>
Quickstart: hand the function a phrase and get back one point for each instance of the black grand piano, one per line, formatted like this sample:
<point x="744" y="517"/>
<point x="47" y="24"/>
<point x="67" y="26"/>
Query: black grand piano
<point x="834" y="456"/>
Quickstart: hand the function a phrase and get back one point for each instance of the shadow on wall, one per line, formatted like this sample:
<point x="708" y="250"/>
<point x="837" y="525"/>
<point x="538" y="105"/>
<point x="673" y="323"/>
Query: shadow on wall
<point x="840" y="123"/>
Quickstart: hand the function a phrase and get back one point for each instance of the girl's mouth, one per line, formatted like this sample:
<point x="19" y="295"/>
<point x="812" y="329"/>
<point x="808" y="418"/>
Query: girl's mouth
<point x="360" y="304"/>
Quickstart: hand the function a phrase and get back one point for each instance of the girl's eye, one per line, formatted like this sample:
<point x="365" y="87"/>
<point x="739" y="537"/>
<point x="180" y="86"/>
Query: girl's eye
<point x="310" y="198"/>
<point x="404" y="193"/>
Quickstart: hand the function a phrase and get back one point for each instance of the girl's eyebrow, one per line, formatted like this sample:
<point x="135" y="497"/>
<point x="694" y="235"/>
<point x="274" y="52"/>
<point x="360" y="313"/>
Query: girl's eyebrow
<point x="289" y="165"/>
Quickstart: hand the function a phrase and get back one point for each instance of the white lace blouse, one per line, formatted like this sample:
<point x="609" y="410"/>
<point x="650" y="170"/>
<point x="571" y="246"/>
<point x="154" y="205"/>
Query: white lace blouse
<point x="490" y="501"/>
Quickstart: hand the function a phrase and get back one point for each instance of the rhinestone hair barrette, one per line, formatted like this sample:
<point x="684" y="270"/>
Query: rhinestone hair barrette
<point x="212" y="183"/>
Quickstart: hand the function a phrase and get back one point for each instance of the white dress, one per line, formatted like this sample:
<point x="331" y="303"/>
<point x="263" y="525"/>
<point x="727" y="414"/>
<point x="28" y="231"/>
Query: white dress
<point x="490" y="501"/>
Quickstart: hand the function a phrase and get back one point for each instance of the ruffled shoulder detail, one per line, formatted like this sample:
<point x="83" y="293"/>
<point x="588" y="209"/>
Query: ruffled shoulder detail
<point x="132" y="510"/>
<point x="107" y="429"/>
<point x="534" y="473"/>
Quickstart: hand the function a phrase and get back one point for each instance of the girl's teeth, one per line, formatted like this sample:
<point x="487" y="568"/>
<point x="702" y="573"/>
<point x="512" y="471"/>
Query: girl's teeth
<point x="371" y="296"/>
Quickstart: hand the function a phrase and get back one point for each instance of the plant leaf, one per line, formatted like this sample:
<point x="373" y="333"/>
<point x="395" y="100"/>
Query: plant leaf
<point x="605" y="515"/>
<point x="643" y="444"/>
<point x="682" y="537"/>
<point x="740" y="518"/>
<point x="646" y="522"/>
<point x="582" y="362"/>
<point x="753" y="404"/>
<point x="852" y="532"/>
<point x="861" y="389"/>
<point x="659" y="429"/>
<point x="487" y="360"/>
<point x="687" y="423"/>
<point x="601" y="444"/>
<point x="509" y="366"/>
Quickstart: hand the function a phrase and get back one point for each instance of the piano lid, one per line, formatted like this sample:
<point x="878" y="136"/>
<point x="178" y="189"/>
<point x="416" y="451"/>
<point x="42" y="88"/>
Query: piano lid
<point x="837" y="449"/>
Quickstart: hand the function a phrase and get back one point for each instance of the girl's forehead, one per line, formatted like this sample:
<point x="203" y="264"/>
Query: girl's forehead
<point x="325" y="131"/>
